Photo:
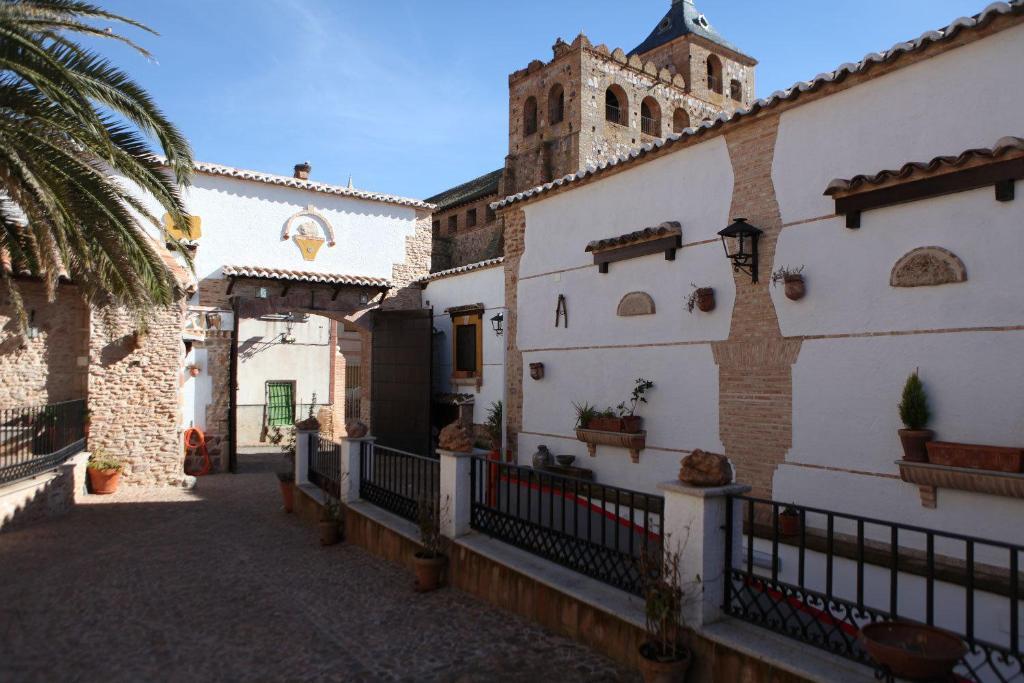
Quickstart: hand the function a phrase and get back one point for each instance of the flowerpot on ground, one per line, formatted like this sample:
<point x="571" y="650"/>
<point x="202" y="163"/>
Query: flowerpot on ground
<point x="655" y="669"/>
<point x="913" y="651"/>
<point x="915" y="444"/>
<point x="104" y="482"/>
<point x="794" y="287"/>
<point x="428" y="568"/>
<point x="971" y="456"/>
<point x="287" y="482"/>
<point x="330" y="532"/>
<point x="789" y="522"/>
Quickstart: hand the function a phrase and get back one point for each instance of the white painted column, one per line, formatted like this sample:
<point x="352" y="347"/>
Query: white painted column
<point x="694" y="526"/>
<point x="456" y="495"/>
<point x="302" y="456"/>
<point x="350" y="463"/>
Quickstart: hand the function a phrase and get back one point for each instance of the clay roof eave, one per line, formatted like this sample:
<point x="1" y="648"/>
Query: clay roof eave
<point x="282" y="274"/>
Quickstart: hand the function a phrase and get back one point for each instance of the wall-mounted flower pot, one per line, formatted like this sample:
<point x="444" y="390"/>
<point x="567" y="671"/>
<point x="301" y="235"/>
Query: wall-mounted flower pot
<point x="630" y="424"/>
<point x="706" y="299"/>
<point x="795" y="288"/>
<point x="915" y="444"/>
<point x="537" y="371"/>
<point x="992" y="458"/>
<point x="194" y="371"/>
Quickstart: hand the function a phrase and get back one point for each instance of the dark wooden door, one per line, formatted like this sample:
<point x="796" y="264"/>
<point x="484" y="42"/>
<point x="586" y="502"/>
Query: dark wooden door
<point x="400" y="379"/>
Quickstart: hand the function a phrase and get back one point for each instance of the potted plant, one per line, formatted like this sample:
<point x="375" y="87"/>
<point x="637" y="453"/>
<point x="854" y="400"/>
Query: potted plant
<point x="914" y="413"/>
<point x="622" y="419"/>
<point x="330" y="523"/>
<point x="793" y="281"/>
<point x="429" y="560"/>
<point x="104" y="472"/>
<point x="493" y="426"/>
<point x="585" y="414"/>
<point x="664" y="657"/>
<point x="193" y="370"/>
<point x="702" y="298"/>
<point x="631" y="423"/>
<point x="789" y="521"/>
<point x="287" y="482"/>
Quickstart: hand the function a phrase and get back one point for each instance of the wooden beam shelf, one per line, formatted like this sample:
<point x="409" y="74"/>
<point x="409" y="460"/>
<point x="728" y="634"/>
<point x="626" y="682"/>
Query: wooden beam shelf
<point x="929" y="478"/>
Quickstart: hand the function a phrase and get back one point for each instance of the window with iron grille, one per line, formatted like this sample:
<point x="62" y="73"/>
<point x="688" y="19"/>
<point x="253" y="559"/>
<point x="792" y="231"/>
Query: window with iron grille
<point x="280" y="403"/>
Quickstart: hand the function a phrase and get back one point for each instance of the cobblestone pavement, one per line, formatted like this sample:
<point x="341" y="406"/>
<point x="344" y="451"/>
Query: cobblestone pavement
<point x="220" y="584"/>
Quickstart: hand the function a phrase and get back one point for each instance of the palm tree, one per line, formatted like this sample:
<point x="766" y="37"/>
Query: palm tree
<point x="70" y="124"/>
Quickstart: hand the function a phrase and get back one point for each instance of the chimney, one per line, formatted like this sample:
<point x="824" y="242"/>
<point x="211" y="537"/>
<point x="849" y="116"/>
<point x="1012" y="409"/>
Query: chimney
<point x="302" y="170"/>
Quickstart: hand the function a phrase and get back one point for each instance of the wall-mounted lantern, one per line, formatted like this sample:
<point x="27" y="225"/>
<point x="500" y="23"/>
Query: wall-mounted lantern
<point x="497" y="323"/>
<point x="744" y="255"/>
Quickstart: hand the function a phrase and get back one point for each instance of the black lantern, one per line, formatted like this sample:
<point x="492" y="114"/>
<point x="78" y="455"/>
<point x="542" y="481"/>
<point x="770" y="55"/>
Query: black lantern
<point x="497" y="322"/>
<point x="744" y="256"/>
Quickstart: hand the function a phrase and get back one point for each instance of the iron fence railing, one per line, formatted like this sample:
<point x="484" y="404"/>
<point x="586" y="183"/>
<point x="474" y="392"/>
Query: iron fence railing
<point x="829" y="574"/>
<point x="325" y="465"/>
<point x="613" y="113"/>
<point x="650" y="126"/>
<point x="35" y="439"/>
<point x="398" y="481"/>
<point x="598" y="530"/>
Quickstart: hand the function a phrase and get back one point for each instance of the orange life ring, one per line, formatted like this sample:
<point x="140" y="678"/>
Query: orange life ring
<point x="195" y="444"/>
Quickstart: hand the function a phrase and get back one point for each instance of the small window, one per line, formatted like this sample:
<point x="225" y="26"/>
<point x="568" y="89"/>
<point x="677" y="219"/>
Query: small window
<point x="714" y="74"/>
<point x="650" y="117"/>
<point x="467" y="338"/>
<point x="556" y="104"/>
<point x="680" y="121"/>
<point x="530" y="116"/>
<point x="616" y="106"/>
<point x="736" y="90"/>
<point x="453" y="224"/>
<point x="471" y="218"/>
<point x="280" y="403"/>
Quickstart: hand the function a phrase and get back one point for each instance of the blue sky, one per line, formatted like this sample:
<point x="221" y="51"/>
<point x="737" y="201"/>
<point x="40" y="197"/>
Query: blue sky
<point x="410" y="96"/>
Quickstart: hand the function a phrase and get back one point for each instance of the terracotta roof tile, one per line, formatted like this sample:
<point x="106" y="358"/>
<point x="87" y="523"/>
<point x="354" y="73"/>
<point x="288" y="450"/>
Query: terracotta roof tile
<point x="666" y="229"/>
<point x="478" y="188"/>
<point x="1003" y="147"/>
<point x="261" y="273"/>
<point x="479" y="265"/>
<point x="978" y="21"/>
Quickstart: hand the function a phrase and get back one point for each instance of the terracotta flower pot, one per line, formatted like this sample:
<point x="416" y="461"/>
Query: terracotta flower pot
<point x="795" y="288"/>
<point x="193" y="372"/>
<point x="631" y="424"/>
<point x="605" y="424"/>
<point x="789" y="524"/>
<point x="103" y="482"/>
<point x="915" y="444"/>
<point x="330" y="533"/>
<point x="913" y="651"/>
<point x="656" y="670"/>
<point x="287" y="495"/>
<point x="428" y="572"/>
<point x="706" y="299"/>
<point x="992" y="458"/>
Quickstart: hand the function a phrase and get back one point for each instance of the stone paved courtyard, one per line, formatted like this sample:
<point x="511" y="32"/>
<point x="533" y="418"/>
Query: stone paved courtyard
<point x="220" y="584"/>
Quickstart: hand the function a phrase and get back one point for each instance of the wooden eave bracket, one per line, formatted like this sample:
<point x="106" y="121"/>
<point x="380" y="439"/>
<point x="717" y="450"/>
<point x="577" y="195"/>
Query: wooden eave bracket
<point x="1002" y="175"/>
<point x="667" y="244"/>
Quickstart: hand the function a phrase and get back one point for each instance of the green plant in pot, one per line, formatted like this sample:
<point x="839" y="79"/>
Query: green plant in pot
<point x="331" y="523"/>
<point x="286" y="480"/>
<point x="914" y="413"/>
<point x="104" y="472"/>
<point x="429" y="561"/>
<point x="493" y="426"/>
<point x="631" y="422"/>
<point x="789" y="521"/>
<point x="664" y="656"/>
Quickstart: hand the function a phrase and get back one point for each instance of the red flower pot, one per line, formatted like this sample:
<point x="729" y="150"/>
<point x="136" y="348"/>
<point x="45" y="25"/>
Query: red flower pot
<point x="104" y="482"/>
<point x="287" y="495"/>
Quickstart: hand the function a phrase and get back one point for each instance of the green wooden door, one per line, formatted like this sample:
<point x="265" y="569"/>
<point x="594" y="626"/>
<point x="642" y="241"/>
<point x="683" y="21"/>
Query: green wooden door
<point x="280" y="404"/>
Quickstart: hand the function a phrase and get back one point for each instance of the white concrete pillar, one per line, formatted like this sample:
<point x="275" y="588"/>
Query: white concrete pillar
<point x="694" y="526"/>
<point x="302" y="456"/>
<point x="350" y="462"/>
<point x="456" y="495"/>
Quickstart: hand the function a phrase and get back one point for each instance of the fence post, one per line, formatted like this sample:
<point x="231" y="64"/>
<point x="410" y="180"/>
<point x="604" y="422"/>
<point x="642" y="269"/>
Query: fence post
<point x="694" y="526"/>
<point x="302" y="450"/>
<point x="456" y="496"/>
<point x="350" y="472"/>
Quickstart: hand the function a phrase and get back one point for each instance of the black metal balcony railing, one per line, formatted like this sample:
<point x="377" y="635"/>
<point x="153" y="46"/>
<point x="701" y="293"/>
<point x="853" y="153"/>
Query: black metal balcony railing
<point x="650" y="126"/>
<point x="398" y="481"/>
<point x="839" y="572"/>
<point x="325" y="465"/>
<point x="613" y="113"/>
<point x="597" y="530"/>
<point x="715" y="84"/>
<point x="35" y="439"/>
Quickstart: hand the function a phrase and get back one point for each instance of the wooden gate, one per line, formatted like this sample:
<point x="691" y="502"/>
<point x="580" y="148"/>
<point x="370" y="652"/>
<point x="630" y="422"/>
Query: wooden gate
<point x="400" y="379"/>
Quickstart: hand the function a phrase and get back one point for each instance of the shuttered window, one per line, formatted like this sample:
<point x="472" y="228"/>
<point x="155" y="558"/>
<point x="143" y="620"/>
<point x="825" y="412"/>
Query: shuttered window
<point x="280" y="404"/>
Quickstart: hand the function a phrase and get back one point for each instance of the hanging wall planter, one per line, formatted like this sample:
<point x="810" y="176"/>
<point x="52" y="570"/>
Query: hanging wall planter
<point x="793" y="282"/>
<point x="537" y="371"/>
<point x="702" y="298"/>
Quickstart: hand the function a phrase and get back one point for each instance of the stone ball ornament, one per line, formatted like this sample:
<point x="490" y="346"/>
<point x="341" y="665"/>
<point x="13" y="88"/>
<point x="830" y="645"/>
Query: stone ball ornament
<point x="356" y="429"/>
<point x="456" y="438"/>
<point x="704" y="469"/>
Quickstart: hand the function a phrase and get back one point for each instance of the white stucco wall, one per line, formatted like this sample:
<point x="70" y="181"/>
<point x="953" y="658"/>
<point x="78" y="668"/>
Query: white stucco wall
<point x="263" y="357"/>
<point x="485" y="286"/>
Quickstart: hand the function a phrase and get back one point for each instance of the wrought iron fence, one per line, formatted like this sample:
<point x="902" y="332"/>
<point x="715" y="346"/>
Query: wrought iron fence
<point x="828" y="574"/>
<point x="398" y="481"/>
<point x="325" y="465"/>
<point x="650" y="126"/>
<point x="35" y="439"/>
<point x="598" y="530"/>
<point x="613" y="113"/>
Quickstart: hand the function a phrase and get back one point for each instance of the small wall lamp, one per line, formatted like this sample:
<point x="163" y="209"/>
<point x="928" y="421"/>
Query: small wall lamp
<point x="744" y="256"/>
<point x="498" y="322"/>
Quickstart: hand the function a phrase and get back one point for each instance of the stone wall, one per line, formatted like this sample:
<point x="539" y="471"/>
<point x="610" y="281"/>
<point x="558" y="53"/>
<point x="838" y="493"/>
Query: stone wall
<point x="466" y="245"/>
<point x="53" y="366"/>
<point x="135" y="394"/>
<point x="415" y="266"/>
<point x="44" y="496"/>
<point x="218" y="359"/>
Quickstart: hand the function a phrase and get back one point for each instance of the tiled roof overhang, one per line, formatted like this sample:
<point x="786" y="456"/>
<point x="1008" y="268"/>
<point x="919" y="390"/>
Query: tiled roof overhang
<point x="470" y="191"/>
<point x="667" y="229"/>
<point x="299" y="184"/>
<point x="479" y="265"/>
<point x="1006" y="147"/>
<point x="260" y="273"/>
<point x="991" y="13"/>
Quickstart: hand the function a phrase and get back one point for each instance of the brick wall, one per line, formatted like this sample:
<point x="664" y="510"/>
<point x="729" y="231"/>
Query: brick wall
<point x="135" y="394"/>
<point x="53" y="366"/>
<point x="513" y="221"/>
<point x="466" y="244"/>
